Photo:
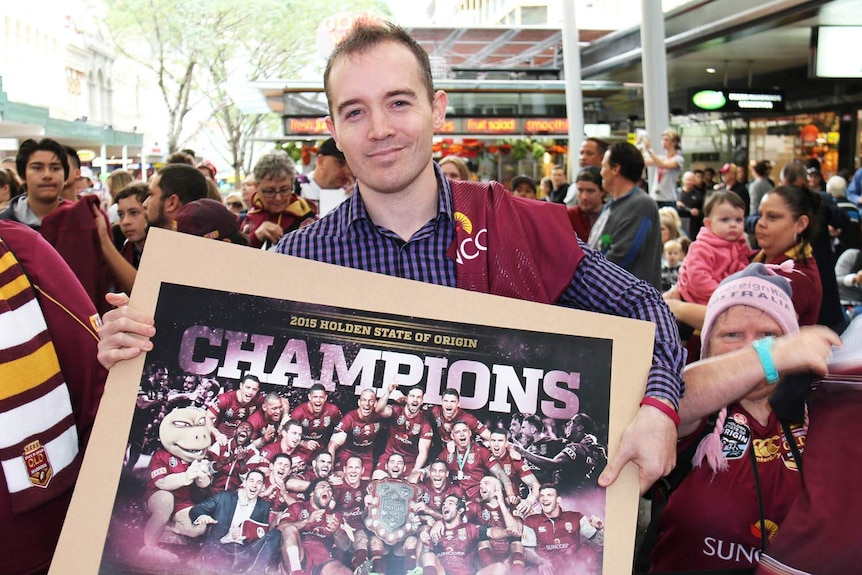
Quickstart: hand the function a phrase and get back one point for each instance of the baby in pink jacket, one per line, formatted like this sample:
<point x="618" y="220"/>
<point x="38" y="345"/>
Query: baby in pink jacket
<point x="720" y="249"/>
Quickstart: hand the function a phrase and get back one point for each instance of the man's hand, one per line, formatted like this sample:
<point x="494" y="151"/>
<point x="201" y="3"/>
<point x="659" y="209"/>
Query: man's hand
<point x="205" y="520"/>
<point x="807" y="350"/>
<point x="125" y="333"/>
<point x="650" y="442"/>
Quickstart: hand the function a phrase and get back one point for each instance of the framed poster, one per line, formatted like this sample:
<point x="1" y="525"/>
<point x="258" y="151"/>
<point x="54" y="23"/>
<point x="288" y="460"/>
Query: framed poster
<point x="225" y="312"/>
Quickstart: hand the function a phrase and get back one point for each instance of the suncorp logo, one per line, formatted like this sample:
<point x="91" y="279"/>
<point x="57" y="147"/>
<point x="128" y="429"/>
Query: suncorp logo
<point x="469" y="247"/>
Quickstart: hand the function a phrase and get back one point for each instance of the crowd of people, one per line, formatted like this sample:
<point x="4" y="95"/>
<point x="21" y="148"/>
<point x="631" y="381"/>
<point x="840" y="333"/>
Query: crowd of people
<point x="278" y="480"/>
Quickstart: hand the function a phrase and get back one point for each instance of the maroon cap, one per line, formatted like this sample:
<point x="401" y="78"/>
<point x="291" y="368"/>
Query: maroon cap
<point x="208" y="219"/>
<point x="726" y="168"/>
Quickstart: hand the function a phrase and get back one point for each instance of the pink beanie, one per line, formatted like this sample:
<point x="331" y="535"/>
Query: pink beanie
<point x="756" y="286"/>
<point x="759" y="287"/>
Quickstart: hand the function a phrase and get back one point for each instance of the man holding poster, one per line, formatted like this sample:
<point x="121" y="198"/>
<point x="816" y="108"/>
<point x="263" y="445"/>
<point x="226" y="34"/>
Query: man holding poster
<point x="406" y="220"/>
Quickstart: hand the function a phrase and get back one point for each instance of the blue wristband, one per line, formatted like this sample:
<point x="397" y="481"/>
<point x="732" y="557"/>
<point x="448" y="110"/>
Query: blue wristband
<point x="763" y="348"/>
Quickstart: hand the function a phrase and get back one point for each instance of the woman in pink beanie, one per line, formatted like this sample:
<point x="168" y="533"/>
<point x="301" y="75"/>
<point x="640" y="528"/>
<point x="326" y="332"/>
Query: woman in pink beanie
<point x="744" y="477"/>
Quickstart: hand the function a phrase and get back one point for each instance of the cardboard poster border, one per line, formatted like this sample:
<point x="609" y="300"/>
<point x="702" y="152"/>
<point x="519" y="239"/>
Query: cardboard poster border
<point x="182" y="259"/>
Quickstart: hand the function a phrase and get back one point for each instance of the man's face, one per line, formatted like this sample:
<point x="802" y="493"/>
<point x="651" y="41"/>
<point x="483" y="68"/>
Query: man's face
<point x="322" y="465"/>
<point x="548" y="500"/>
<point x="729" y="177"/>
<point x="450" y="510"/>
<point x="275" y="193"/>
<point x="414" y="400"/>
<point x="353" y="470"/>
<point x="322" y="495"/>
<point x="133" y="221"/>
<point x="439" y="474"/>
<point x="242" y="436"/>
<point x="395" y="466"/>
<point x="281" y="467"/>
<point x="608" y="172"/>
<point x="525" y="190"/>
<point x="384" y="126"/>
<point x="273" y="410"/>
<point x="487" y="487"/>
<point x="529" y="433"/>
<point x="253" y="485"/>
<point x="292" y="436"/>
<point x="154" y="204"/>
<point x="331" y="172"/>
<point x="248" y="390"/>
<point x="317" y="399"/>
<point x="589" y="197"/>
<point x="44" y="177"/>
<point x="367" y="399"/>
<point x="590" y="155"/>
<point x="698" y="179"/>
<point x="461" y="435"/>
<point x="688" y="181"/>
<point x="449" y="403"/>
<point x="558" y="177"/>
<point x="498" y="444"/>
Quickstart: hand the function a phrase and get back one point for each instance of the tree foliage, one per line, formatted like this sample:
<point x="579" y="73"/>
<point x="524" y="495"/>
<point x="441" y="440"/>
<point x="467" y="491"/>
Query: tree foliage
<point x="195" y="50"/>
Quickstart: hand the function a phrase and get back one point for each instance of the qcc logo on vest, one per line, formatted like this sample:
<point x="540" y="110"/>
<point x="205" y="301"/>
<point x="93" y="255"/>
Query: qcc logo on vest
<point x="469" y="247"/>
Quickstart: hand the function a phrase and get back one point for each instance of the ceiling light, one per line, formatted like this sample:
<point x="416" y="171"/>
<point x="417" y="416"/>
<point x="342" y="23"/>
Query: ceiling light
<point x="710" y="70"/>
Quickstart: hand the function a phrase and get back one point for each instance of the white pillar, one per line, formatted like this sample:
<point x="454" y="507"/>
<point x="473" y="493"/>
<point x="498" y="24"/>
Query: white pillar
<point x="654" y="63"/>
<point x="574" y="96"/>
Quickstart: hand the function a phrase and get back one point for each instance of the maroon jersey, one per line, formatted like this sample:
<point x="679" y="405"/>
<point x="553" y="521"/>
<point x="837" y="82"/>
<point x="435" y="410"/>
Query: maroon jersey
<point x="317" y="540"/>
<point x="317" y="427"/>
<point x="350" y="502"/>
<point x="163" y="464"/>
<point x="696" y="532"/>
<point x="434" y="499"/>
<point x="404" y="435"/>
<point x="557" y="539"/>
<point x="258" y="423"/>
<point x="517" y="472"/>
<point x="360" y="438"/>
<point x="481" y="513"/>
<point x="444" y="426"/>
<point x="278" y="499"/>
<point x="456" y="549"/>
<point x="228" y="411"/>
<point x="467" y="469"/>
<point x="228" y="466"/>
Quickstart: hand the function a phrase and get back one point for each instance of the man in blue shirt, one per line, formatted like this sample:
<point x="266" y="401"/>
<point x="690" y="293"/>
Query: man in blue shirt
<point x="400" y="221"/>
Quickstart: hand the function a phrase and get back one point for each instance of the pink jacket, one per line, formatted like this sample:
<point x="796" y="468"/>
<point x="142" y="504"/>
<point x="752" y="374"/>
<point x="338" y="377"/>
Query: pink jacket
<point x="710" y="259"/>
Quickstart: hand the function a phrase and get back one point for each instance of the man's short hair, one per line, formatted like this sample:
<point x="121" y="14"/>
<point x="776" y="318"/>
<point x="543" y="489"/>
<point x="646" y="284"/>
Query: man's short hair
<point x="533" y="420"/>
<point x="628" y="158"/>
<point x="601" y="145"/>
<point x="74" y="159"/>
<point x="544" y="486"/>
<point x="317" y="387"/>
<point x="459" y="502"/>
<point x="139" y="190"/>
<point x="762" y="167"/>
<point x="451" y="391"/>
<point x="794" y="172"/>
<point x="258" y="471"/>
<point x="367" y="34"/>
<point x="281" y="456"/>
<point x="275" y="165"/>
<point x="181" y="158"/>
<point x="30" y="147"/>
<point x="183" y="181"/>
